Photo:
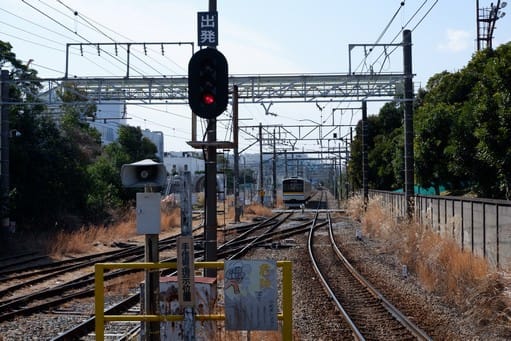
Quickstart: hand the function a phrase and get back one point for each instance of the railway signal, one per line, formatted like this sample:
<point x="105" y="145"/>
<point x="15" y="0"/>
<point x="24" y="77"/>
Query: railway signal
<point x="208" y="82"/>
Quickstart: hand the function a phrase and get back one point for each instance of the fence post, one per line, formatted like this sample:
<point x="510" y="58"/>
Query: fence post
<point x="472" y="225"/>
<point x="462" y="226"/>
<point x="484" y="230"/>
<point x="497" y="232"/>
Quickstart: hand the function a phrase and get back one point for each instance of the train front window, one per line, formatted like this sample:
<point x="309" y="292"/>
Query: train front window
<point x="293" y="186"/>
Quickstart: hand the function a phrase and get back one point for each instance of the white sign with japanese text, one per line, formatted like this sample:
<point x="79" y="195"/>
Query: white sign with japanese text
<point x="207" y="29"/>
<point x="185" y="271"/>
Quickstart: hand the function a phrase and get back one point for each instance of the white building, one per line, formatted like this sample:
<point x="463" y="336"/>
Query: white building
<point x="175" y="162"/>
<point x="109" y="116"/>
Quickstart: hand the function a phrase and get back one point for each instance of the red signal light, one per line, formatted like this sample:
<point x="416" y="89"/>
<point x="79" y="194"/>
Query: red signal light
<point x="208" y="98"/>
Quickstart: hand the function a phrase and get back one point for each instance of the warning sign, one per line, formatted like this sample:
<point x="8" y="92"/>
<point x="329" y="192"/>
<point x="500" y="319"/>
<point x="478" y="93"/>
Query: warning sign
<point x="250" y="290"/>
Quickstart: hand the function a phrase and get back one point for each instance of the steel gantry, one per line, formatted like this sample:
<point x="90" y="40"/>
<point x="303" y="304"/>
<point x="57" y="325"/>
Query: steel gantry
<point x="285" y="88"/>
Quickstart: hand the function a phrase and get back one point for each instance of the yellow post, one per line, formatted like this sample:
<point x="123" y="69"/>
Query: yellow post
<point x="287" y="300"/>
<point x="287" y="297"/>
<point x="99" y="301"/>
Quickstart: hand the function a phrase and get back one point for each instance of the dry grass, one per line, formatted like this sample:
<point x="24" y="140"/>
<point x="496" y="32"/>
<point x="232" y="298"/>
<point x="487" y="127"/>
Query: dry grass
<point x="89" y="238"/>
<point x="355" y="207"/>
<point x="437" y="260"/>
<point x="258" y="210"/>
<point x="83" y="240"/>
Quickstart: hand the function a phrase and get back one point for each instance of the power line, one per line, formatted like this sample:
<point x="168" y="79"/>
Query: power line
<point x="76" y="33"/>
<point x="46" y="67"/>
<point x="425" y="15"/>
<point x="44" y="38"/>
<point x="163" y="111"/>
<point x="53" y="49"/>
<point x="38" y="25"/>
<point x="95" y="25"/>
<point x="366" y="55"/>
<point x="159" y="124"/>
<point x="32" y="33"/>
<point x="406" y="24"/>
<point x="52" y="19"/>
<point x="32" y="42"/>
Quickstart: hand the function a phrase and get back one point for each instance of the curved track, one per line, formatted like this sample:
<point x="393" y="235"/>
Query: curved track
<point x="266" y="233"/>
<point x="369" y="315"/>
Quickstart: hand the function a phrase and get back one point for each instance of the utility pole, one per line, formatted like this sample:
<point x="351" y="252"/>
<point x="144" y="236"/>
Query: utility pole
<point x="408" y="123"/>
<point x="148" y="174"/>
<point x="365" y="163"/>
<point x="4" y="154"/>
<point x="235" y="113"/>
<point x="274" y="187"/>
<point x="261" y="175"/>
<point x="347" y="160"/>
<point x="340" y="176"/>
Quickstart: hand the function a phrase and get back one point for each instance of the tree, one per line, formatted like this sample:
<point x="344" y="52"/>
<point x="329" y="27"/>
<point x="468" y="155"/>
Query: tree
<point x="432" y="160"/>
<point x="464" y="126"/>
<point x="492" y="108"/>
<point x="108" y="192"/>
<point x="135" y="144"/>
<point x="385" y="146"/>
<point x="60" y="175"/>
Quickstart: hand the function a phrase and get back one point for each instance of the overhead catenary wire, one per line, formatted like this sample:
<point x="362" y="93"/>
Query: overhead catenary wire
<point x="95" y="26"/>
<point x="37" y="43"/>
<point x="40" y="26"/>
<point x="31" y="33"/>
<point x="366" y="55"/>
<point x="385" y="53"/>
<point x="405" y="25"/>
<point x="157" y="123"/>
<point x="53" y="49"/>
<point x="76" y="33"/>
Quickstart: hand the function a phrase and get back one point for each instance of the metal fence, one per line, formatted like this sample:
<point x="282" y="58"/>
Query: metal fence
<point x="482" y="226"/>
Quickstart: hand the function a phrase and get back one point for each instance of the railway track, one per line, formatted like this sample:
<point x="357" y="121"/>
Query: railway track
<point x="241" y="240"/>
<point x="54" y="299"/>
<point x="367" y="313"/>
<point x="47" y="285"/>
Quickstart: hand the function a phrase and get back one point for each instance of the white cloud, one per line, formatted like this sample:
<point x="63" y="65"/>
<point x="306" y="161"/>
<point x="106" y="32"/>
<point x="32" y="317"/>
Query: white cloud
<point x="456" y="41"/>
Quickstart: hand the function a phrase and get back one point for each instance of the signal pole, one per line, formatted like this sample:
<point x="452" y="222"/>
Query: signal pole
<point x="408" y="123"/>
<point x="210" y="233"/>
<point x="208" y="96"/>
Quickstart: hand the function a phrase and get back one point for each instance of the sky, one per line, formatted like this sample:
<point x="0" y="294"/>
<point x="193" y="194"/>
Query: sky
<point x="257" y="37"/>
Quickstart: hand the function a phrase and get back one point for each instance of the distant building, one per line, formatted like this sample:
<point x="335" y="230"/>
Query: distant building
<point x="109" y="116"/>
<point x="175" y="162"/>
<point x="156" y="137"/>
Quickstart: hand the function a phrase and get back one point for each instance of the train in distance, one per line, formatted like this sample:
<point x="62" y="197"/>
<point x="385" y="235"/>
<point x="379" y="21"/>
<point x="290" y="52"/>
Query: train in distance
<point x="296" y="191"/>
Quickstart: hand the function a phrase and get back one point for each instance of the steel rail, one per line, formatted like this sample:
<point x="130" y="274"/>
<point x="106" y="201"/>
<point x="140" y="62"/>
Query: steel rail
<point x="88" y="325"/>
<point x="356" y="332"/>
<point x="413" y="328"/>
